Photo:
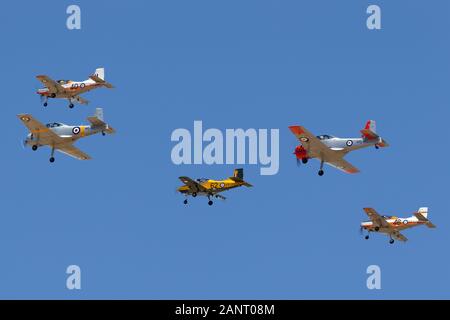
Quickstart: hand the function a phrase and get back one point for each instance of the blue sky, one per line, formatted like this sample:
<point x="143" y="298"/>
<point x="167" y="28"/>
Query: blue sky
<point x="231" y="64"/>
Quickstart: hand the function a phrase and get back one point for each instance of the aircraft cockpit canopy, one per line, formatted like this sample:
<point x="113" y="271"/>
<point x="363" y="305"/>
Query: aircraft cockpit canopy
<point x="202" y="180"/>
<point x="325" y="137"/>
<point x="53" y="125"/>
<point x="63" y="81"/>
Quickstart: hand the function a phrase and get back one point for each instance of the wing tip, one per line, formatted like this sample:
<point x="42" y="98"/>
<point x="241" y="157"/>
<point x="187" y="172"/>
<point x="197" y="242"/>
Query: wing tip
<point x="296" y="129"/>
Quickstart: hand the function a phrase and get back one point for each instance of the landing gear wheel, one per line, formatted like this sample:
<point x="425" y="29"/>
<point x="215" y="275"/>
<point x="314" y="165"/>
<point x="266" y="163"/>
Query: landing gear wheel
<point x="377" y="229"/>
<point x="366" y="237"/>
<point x="103" y="133"/>
<point x="185" y="201"/>
<point x="34" y="147"/>
<point x="210" y="202"/>
<point x="320" y="172"/>
<point x="71" y="105"/>
<point x="194" y="194"/>
<point x="391" y="241"/>
<point x="45" y="104"/>
<point x="304" y="160"/>
<point x="53" y="95"/>
<point x="52" y="159"/>
<point x="377" y="147"/>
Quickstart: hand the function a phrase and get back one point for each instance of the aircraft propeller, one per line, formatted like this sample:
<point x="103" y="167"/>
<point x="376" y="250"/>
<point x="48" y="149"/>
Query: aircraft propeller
<point x="23" y="143"/>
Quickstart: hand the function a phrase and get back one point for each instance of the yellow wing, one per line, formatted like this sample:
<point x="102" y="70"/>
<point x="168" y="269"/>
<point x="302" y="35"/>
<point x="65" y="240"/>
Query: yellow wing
<point x="193" y="185"/>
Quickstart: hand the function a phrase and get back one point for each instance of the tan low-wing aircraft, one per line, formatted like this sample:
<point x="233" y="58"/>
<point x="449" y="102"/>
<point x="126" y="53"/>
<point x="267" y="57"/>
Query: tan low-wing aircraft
<point x="332" y="150"/>
<point x="61" y="137"/>
<point x="392" y="225"/>
<point x="71" y="90"/>
<point x="211" y="188"/>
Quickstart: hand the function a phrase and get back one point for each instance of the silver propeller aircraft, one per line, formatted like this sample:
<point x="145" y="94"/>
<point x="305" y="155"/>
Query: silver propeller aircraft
<point x="331" y="150"/>
<point x="61" y="137"/>
<point x="71" y="90"/>
<point x="392" y="225"/>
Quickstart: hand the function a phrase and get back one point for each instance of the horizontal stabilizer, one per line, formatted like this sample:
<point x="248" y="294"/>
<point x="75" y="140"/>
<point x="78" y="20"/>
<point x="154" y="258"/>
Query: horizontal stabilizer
<point x="98" y="122"/>
<point x="101" y="81"/>
<point x="383" y="143"/>
<point x="422" y="218"/>
<point x="369" y="134"/>
<point x="239" y="180"/>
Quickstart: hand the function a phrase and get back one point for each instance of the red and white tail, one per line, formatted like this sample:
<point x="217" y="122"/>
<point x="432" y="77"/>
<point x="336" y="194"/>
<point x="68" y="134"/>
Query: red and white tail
<point x="370" y="130"/>
<point x="370" y="133"/>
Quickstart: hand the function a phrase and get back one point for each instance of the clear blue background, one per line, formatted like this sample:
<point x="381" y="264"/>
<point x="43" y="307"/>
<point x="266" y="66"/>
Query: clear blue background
<point x="231" y="64"/>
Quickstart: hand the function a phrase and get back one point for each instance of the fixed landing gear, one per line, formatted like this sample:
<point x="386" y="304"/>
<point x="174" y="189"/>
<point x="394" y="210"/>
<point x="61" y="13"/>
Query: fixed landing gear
<point x="34" y="147"/>
<point x="377" y="147"/>
<point x="391" y="241"/>
<point x="71" y="105"/>
<point x="103" y="133"/>
<point x="304" y="160"/>
<point x="53" y="95"/>
<point x="209" y="200"/>
<point x="45" y="100"/>
<point x="194" y="194"/>
<point x="185" y="201"/>
<point x="366" y="237"/>
<point x="377" y="229"/>
<point x="52" y="158"/>
<point x="320" y="173"/>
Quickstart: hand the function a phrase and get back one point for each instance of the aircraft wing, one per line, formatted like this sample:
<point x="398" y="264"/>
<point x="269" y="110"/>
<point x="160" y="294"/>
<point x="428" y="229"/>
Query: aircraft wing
<point x="398" y="236"/>
<point x="309" y="141"/>
<point x="341" y="164"/>
<point x="377" y="219"/>
<point x="73" y="151"/>
<point x="317" y="149"/>
<point x="220" y="196"/>
<point x="193" y="185"/>
<point x="50" y="84"/>
<point x="44" y="134"/>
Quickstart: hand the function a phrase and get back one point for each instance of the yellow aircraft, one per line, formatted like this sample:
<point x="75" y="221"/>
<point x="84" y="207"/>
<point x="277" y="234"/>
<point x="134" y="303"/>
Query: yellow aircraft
<point x="212" y="188"/>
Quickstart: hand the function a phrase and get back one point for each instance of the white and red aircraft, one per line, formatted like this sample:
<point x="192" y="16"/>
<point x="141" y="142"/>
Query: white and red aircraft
<point x="71" y="90"/>
<point x="392" y="225"/>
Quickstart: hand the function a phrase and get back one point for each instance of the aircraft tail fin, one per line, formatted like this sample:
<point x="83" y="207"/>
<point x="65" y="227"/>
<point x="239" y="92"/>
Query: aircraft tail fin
<point x="238" y="173"/>
<point x="100" y="73"/>
<point x="99" y="77"/>
<point x="370" y="133"/>
<point x="98" y="121"/>
<point x="422" y="215"/>
<point x="238" y="176"/>
<point x="370" y="130"/>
